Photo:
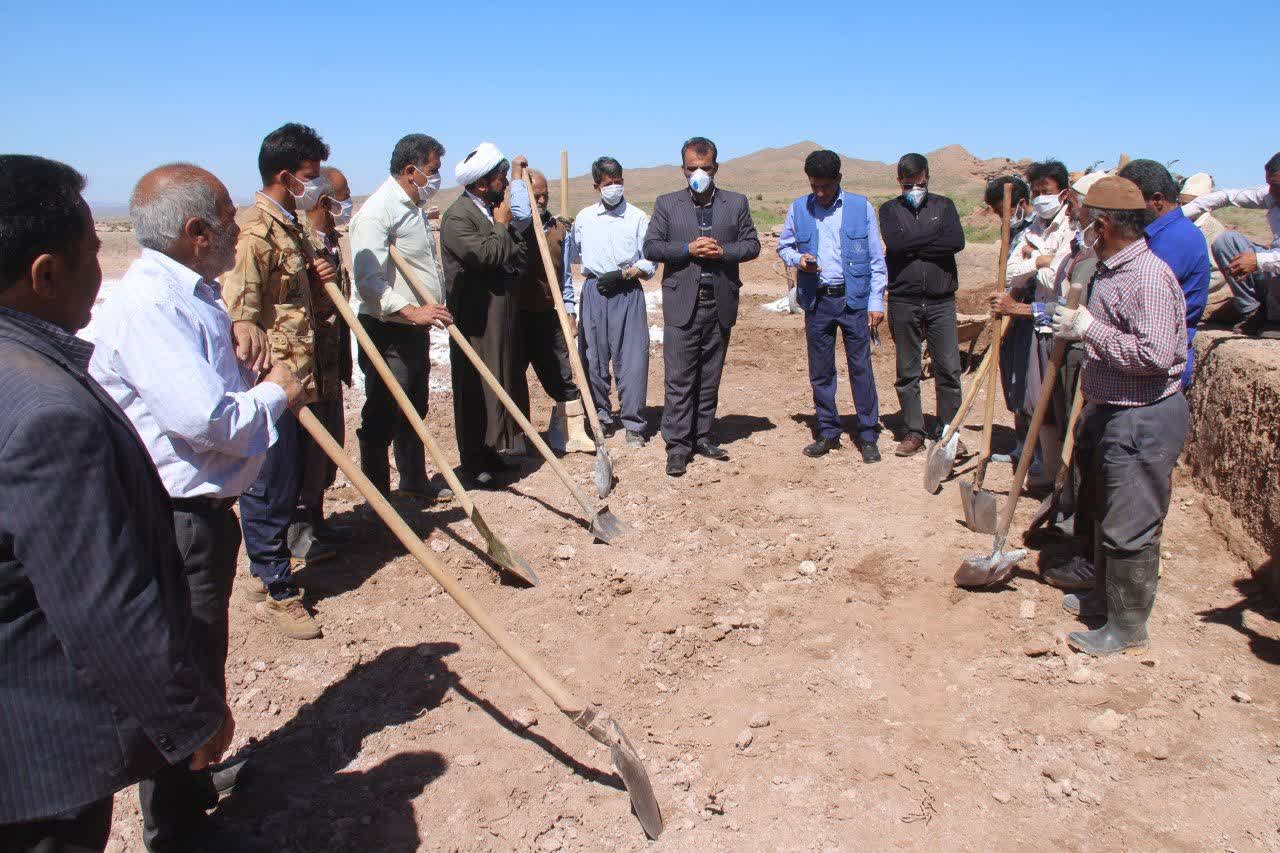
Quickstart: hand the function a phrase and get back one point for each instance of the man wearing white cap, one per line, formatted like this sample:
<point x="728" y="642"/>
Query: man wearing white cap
<point x="1253" y="271"/>
<point x="484" y="259"/>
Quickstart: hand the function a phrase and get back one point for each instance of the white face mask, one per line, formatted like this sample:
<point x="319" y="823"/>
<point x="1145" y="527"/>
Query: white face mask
<point x="1082" y="238"/>
<point x="427" y="190"/>
<point x="343" y="214"/>
<point x="1046" y="206"/>
<point x="611" y="194"/>
<point x="700" y="181"/>
<point x="311" y="191"/>
<point x="915" y="195"/>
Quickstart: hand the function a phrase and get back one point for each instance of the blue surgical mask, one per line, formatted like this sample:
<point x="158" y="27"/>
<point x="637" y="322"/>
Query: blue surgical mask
<point x="915" y="196"/>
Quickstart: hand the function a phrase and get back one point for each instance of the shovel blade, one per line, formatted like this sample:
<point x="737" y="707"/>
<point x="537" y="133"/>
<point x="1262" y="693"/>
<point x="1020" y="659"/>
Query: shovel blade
<point x="966" y="502"/>
<point x="1044" y="512"/>
<point x="604" y="472"/>
<point x="986" y="511"/>
<point x="626" y="761"/>
<point x="940" y="462"/>
<point x="986" y="570"/>
<point x="500" y="553"/>
<point x="606" y="527"/>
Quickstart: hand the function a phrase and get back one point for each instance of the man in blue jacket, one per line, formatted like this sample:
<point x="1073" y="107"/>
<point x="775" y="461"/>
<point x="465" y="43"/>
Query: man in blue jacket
<point x="832" y="240"/>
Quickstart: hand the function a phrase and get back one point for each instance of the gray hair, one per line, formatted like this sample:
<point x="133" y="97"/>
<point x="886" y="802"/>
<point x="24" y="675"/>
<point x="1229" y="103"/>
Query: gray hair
<point x="158" y="216"/>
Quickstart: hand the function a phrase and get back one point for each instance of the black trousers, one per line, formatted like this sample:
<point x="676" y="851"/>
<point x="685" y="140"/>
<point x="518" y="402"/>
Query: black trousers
<point x="406" y="350"/>
<point x="934" y="321"/>
<point x="541" y="344"/>
<point x="1126" y="457"/>
<point x="694" y="362"/>
<point x="318" y="470"/>
<point x="175" y="800"/>
<point x="84" y="831"/>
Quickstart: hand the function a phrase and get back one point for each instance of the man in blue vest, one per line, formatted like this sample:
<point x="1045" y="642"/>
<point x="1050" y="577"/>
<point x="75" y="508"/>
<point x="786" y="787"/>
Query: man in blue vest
<point x="832" y="240"/>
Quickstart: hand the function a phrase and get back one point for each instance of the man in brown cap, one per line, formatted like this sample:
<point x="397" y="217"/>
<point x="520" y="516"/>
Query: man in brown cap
<point x="1134" y="422"/>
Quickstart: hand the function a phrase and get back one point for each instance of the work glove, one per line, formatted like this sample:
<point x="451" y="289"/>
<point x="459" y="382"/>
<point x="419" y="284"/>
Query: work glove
<point x="1070" y="324"/>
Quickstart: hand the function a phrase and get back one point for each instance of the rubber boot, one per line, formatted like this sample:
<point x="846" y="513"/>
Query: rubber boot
<point x="1050" y="456"/>
<point x="557" y="432"/>
<point x="374" y="464"/>
<point x="575" y="421"/>
<point x="1131" y="594"/>
<point x="1091" y="604"/>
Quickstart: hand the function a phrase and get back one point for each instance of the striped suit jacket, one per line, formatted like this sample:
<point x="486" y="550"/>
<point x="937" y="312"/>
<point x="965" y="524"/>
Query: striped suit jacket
<point x="673" y="226"/>
<point x="98" y="687"/>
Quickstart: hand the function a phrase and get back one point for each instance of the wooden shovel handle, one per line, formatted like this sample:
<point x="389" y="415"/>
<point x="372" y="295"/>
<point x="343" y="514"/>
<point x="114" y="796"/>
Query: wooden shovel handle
<point x="406" y="405"/>
<point x="530" y="665"/>
<point x="494" y="385"/>
<point x="564" y="184"/>
<point x="993" y="379"/>
<point x="1037" y="418"/>
<point x="575" y="358"/>
<point x="995" y="325"/>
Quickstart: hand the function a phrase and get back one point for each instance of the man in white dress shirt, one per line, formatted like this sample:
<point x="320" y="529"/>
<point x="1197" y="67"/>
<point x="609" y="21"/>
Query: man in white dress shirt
<point x="1252" y="271"/>
<point x="164" y="351"/>
<point x="613" y="323"/>
<point x="393" y="315"/>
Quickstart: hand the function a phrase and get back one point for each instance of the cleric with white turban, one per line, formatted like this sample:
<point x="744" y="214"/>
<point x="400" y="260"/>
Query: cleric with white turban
<point x="479" y="163"/>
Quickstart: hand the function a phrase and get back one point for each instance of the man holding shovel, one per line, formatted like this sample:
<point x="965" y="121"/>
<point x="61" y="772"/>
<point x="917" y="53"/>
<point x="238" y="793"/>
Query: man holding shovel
<point x="1135" y="420"/>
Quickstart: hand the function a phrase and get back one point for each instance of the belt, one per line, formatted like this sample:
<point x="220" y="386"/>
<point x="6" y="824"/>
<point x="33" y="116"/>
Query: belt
<point x="831" y="290"/>
<point x="202" y="504"/>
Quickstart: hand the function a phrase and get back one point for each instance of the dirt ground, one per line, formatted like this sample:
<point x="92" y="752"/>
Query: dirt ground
<point x="884" y="708"/>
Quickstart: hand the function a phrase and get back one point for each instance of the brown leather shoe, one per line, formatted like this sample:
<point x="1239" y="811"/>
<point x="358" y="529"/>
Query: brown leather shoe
<point x="910" y="446"/>
<point x="290" y="616"/>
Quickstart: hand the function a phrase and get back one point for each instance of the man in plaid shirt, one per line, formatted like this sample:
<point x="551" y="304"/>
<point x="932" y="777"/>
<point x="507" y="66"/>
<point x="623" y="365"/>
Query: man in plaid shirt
<point x="1135" y="421"/>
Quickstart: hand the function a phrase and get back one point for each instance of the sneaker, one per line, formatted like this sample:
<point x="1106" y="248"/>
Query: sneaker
<point x="290" y="616"/>
<point x="910" y="446"/>
<point x="822" y="446"/>
<point x="635" y="439"/>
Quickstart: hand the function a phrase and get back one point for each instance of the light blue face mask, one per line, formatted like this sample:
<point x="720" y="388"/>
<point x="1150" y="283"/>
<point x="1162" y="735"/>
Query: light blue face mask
<point x="915" y="196"/>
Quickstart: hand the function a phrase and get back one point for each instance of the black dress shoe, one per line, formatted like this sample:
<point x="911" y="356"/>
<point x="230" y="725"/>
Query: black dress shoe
<point x="677" y="464"/>
<point x="822" y="447"/>
<point x="702" y="447"/>
<point x="870" y="452"/>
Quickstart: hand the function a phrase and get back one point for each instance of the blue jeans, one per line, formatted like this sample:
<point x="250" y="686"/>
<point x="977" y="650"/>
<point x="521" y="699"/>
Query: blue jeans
<point x="820" y="324"/>
<point x="267" y="508"/>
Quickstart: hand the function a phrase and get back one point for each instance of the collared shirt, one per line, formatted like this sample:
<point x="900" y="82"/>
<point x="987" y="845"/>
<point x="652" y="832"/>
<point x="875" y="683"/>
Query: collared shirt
<point x="829" y="221"/>
<point x="1254" y="198"/>
<point x="1045" y="238"/>
<point x="288" y="214"/>
<point x="1136" y="347"/>
<point x="605" y="240"/>
<point x="480" y="203"/>
<point x="165" y="354"/>
<point x="1178" y="243"/>
<point x="77" y="350"/>
<point x="390" y="218"/>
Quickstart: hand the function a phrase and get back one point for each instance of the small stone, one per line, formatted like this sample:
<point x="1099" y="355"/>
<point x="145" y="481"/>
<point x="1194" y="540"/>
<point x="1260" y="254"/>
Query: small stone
<point x="808" y="568"/>
<point x="1159" y="750"/>
<point x="1107" y="722"/>
<point x="273" y="709"/>
<point x="759" y="720"/>
<point x="1150" y="661"/>
<point x="1058" y="770"/>
<point x="745" y="737"/>
<point x="1001" y="797"/>
<point x="1037" y="647"/>
<point x="754" y="640"/>
<point x="1079" y="676"/>
<point x="1241" y="697"/>
<point x="260" y="665"/>
<point x="1028" y="609"/>
<point x="1088" y="797"/>
<point x="467" y="760"/>
<point x="565" y="552"/>
<point x="439" y="546"/>
<point x="524" y="718"/>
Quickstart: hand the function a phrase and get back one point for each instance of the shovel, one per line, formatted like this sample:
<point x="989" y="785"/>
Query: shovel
<point x="980" y="506"/>
<point x="942" y="455"/>
<point x="994" y="568"/>
<point x="497" y="549"/>
<point x="603" y="524"/>
<point x="596" y="723"/>
<point x="604" y="465"/>
<point x="1052" y="505"/>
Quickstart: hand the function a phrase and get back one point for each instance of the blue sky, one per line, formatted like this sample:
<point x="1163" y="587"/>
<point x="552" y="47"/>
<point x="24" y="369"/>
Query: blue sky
<point x="115" y="89"/>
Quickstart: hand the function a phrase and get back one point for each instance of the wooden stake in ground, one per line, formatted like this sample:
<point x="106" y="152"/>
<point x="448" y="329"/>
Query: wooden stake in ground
<point x="598" y="724"/>
<point x="604" y="465"/>
<point x="604" y="525"/>
<point x="564" y="185"/>
<point x="496" y="548"/>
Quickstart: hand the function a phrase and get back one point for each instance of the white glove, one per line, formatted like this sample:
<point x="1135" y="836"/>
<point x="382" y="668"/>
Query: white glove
<point x="1070" y="324"/>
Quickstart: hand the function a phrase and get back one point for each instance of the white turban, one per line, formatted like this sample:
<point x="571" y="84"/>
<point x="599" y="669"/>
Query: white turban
<point x="478" y="163"/>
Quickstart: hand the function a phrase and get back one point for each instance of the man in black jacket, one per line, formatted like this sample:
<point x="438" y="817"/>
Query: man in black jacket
<point x="922" y="235"/>
<point x="98" y="685"/>
<point x="700" y="235"/>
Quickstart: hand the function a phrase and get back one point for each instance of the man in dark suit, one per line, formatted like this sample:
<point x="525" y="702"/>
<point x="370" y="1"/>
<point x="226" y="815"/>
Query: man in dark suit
<point x="98" y="682"/>
<point x="700" y="235"/>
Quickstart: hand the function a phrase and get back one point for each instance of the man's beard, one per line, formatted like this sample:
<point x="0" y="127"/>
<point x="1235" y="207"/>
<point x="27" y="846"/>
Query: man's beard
<point x="222" y="254"/>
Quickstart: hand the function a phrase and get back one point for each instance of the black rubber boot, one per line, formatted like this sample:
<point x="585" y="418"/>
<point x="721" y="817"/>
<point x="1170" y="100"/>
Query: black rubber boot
<point x="1131" y="594"/>
<point x="1093" y="603"/>
<point x="374" y="464"/>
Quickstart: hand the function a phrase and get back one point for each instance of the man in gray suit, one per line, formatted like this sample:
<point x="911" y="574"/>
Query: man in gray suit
<point x="700" y="235"/>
